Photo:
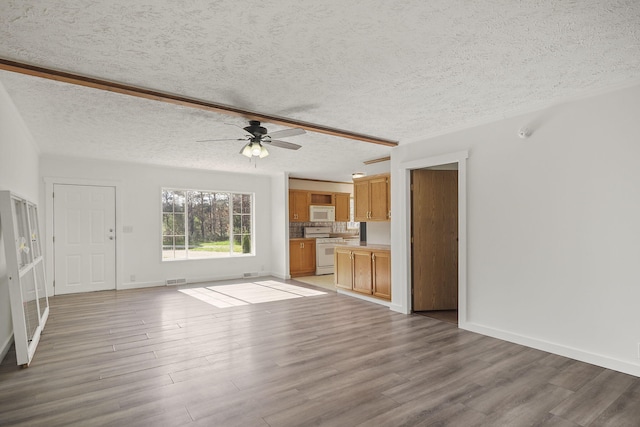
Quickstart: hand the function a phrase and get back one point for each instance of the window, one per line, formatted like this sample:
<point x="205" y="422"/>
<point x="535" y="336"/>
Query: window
<point x="206" y="224"/>
<point x="352" y="224"/>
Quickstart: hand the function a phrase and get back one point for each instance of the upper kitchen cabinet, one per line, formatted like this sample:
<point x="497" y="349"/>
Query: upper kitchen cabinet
<point x="299" y="206"/>
<point x="372" y="198"/>
<point x="343" y="210"/>
<point x="321" y="198"/>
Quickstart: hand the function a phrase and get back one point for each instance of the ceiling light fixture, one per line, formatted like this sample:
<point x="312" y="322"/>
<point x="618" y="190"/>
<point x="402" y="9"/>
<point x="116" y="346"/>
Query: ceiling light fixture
<point x="358" y="174"/>
<point x="255" y="149"/>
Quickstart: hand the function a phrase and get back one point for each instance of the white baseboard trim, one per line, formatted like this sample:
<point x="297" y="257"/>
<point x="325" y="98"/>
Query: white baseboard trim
<point x="138" y="285"/>
<point x="194" y="280"/>
<point x="5" y="347"/>
<point x="364" y="297"/>
<point x="190" y="281"/>
<point x="559" y="349"/>
<point x="397" y="308"/>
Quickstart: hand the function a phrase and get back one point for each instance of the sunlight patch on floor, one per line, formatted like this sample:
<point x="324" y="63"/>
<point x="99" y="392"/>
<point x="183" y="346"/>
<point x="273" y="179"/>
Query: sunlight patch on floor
<point x="233" y="295"/>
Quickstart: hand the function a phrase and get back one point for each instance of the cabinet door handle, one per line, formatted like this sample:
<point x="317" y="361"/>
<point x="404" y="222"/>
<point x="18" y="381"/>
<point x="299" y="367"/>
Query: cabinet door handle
<point x="373" y="257"/>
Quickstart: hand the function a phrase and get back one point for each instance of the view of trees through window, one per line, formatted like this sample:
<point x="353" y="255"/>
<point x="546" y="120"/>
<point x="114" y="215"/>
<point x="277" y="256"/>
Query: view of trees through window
<point x="205" y="224"/>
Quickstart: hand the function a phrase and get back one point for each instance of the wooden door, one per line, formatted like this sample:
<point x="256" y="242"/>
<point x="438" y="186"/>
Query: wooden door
<point x="434" y="223"/>
<point x="361" y="200"/>
<point x="84" y="238"/>
<point x="381" y="265"/>
<point x="362" y="273"/>
<point x="343" y="277"/>
<point x="379" y="196"/>
<point x="342" y="207"/>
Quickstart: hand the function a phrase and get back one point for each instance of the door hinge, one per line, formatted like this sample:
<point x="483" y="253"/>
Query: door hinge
<point x="53" y="195"/>
<point x="54" y="239"/>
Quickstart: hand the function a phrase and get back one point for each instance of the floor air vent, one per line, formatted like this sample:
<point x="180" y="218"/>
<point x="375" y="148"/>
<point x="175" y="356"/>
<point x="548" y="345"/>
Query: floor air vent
<point x="176" y="281"/>
<point x="250" y="275"/>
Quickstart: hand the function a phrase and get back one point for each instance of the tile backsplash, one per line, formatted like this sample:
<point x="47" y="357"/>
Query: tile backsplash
<point x="296" y="229"/>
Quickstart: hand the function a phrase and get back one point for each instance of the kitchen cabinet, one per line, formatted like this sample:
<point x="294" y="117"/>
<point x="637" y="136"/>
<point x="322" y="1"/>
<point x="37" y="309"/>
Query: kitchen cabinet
<point x="302" y="257"/>
<point x="364" y="270"/>
<point x="321" y="198"/>
<point x="372" y="199"/>
<point x="381" y="268"/>
<point x="343" y="209"/>
<point x="299" y="201"/>
<point x="343" y="275"/>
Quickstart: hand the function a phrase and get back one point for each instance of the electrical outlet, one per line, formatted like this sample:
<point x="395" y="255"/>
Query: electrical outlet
<point x="133" y="278"/>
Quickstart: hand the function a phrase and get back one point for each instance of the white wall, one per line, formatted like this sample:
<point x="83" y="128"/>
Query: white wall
<point x="139" y="188"/>
<point x="553" y="228"/>
<point x="280" y="227"/>
<point x="18" y="173"/>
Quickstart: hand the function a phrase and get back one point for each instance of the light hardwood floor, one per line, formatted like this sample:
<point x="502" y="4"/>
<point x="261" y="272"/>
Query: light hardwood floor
<point x="159" y="357"/>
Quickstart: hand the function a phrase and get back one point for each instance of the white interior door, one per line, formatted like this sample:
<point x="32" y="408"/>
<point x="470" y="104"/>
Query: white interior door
<point x="84" y="238"/>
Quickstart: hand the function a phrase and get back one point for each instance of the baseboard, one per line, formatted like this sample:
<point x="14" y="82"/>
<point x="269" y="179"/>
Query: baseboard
<point x="138" y="285"/>
<point x="559" y="349"/>
<point x="5" y="347"/>
<point x="397" y="308"/>
<point x="364" y="297"/>
<point x="191" y="281"/>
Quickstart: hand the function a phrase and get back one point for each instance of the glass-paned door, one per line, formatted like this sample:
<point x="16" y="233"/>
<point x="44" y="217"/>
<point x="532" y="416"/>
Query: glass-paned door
<point x="25" y="273"/>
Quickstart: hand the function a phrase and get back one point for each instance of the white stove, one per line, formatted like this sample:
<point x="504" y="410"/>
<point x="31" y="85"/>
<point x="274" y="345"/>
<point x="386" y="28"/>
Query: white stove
<point x="325" y="248"/>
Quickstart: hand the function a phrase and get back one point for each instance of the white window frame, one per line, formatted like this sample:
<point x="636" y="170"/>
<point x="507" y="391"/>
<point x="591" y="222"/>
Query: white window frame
<point x="227" y="255"/>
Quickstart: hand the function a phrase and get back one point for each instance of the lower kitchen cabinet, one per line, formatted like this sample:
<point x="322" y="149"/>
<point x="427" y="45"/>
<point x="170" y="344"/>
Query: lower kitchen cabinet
<point x="362" y="270"/>
<point x="381" y="266"/>
<point x="302" y="257"/>
<point x="343" y="275"/>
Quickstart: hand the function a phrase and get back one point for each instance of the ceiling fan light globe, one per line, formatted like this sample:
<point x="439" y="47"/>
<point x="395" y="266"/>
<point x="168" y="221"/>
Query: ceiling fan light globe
<point x="246" y="151"/>
<point x="256" y="149"/>
<point x="263" y="153"/>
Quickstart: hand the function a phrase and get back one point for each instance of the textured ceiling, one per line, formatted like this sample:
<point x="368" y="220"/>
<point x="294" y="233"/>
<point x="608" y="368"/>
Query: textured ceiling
<point x="398" y="70"/>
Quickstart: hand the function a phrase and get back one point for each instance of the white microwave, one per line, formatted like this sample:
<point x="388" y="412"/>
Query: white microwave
<point x="322" y="213"/>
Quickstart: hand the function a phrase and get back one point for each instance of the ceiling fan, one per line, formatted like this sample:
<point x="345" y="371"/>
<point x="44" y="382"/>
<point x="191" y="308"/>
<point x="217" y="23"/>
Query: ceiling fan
<point x="258" y="137"/>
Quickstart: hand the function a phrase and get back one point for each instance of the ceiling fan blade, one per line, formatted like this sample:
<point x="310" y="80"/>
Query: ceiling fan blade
<point x="225" y="139"/>
<point x="282" y="144"/>
<point x="286" y="132"/>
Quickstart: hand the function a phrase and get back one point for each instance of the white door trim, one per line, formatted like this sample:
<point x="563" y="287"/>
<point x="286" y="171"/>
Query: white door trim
<point x="49" y="182"/>
<point x="402" y="253"/>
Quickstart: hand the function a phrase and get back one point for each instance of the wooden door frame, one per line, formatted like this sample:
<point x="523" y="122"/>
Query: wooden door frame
<point x="403" y="275"/>
<point x="49" y="182"/>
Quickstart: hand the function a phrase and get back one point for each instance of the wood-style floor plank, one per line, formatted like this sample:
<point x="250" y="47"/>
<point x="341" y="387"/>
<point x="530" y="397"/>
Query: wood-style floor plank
<point x="159" y="357"/>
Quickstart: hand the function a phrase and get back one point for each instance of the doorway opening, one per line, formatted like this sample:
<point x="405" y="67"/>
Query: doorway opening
<point x="434" y="241"/>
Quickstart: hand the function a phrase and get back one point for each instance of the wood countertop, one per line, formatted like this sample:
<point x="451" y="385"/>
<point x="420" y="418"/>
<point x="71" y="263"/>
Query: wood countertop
<point x="372" y="246"/>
